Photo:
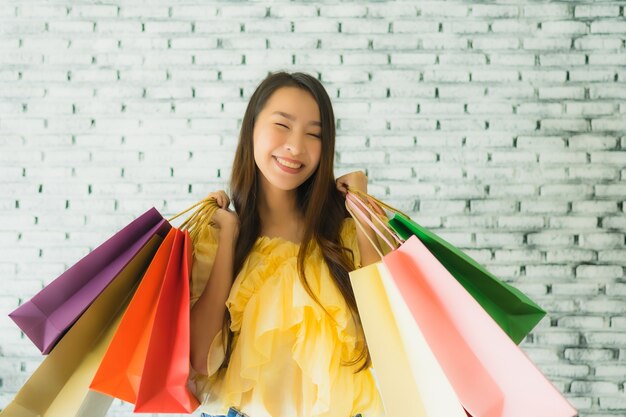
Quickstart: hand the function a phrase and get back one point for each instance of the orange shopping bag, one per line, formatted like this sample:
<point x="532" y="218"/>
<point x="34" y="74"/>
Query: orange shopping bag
<point x="147" y="362"/>
<point x="121" y="369"/>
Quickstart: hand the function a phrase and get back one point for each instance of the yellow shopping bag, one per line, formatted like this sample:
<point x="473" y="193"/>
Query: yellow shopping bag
<point x="411" y="381"/>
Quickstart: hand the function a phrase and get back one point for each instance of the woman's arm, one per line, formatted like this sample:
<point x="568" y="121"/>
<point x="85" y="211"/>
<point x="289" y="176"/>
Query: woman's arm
<point x="207" y="314"/>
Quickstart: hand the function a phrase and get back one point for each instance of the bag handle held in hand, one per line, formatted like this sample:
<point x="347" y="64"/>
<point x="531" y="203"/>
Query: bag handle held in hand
<point x="369" y="197"/>
<point x="200" y="219"/>
<point x="352" y="200"/>
<point x="377" y="216"/>
<point x="352" y="207"/>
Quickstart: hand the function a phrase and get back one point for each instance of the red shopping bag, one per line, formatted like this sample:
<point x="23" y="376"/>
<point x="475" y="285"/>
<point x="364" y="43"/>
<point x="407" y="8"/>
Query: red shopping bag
<point x="163" y="386"/>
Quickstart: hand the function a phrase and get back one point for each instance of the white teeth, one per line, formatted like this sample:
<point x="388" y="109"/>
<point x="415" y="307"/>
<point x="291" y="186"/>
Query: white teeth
<point x="288" y="164"/>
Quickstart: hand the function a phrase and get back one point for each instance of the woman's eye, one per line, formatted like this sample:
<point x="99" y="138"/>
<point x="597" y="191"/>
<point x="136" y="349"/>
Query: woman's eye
<point x="287" y="127"/>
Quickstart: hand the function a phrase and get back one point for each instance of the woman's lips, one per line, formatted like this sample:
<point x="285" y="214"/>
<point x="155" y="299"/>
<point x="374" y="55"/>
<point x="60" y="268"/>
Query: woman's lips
<point x="286" y="168"/>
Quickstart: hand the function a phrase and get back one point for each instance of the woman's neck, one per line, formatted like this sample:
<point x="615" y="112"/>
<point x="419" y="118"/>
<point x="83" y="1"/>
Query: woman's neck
<point x="278" y="212"/>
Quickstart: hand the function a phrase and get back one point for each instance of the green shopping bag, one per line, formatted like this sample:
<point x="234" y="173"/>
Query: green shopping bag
<point x="514" y="312"/>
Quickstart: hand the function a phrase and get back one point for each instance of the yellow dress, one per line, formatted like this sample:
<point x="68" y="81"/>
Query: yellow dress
<point x="286" y="357"/>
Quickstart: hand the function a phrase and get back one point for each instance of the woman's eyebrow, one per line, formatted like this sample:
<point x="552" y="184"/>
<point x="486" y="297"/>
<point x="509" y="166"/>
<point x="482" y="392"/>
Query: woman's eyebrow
<point x="292" y="118"/>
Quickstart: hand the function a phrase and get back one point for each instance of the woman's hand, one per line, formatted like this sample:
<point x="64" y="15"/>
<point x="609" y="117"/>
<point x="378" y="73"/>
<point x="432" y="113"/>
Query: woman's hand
<point x="357" y="180"/>
<point x="365" y="238"/>
<point x="224" y="218"/>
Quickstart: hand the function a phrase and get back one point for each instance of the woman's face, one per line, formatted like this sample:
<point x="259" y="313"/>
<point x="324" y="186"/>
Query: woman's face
<point x="287" y="147"/>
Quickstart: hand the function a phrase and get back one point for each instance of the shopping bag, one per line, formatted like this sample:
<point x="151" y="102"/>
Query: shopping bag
<point x="119" y="373"/>
<point x="490" y="374"/>
<point x="51" y="312"/>
<point x="59" y="387"/>
<point x="410" y="379"/>
<point x="163" y="386"/>
<point x="514" y="312"/>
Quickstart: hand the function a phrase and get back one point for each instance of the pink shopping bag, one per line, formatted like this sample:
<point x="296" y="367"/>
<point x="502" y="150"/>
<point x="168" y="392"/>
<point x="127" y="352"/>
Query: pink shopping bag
<point x="481" y="362"/>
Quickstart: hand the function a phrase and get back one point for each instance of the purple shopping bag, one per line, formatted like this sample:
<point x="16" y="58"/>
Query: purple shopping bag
<point x="50" y="313"/>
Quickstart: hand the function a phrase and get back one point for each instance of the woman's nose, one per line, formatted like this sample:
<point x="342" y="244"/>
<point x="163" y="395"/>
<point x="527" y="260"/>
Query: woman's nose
<point x="294" y="143"/>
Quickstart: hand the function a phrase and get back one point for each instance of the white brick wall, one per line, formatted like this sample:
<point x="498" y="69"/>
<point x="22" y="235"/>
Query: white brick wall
<point x="501" y="124"/>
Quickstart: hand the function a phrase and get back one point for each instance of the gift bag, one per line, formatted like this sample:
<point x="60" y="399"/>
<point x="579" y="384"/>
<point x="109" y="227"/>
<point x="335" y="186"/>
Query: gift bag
<point x="152" y="370"/>
<point x="514" y="312"/>
<point x="51" y="312"/>
<point x="120" y="371"/>
<point x="59" y="387"/>
<point x="147" y="362"/>
<point x="410" y="378"/>
<point x="412" y="383"/>
<point x="163" y="386"/>
<point x="479" y="359"/>
<point x="490" y="374"/>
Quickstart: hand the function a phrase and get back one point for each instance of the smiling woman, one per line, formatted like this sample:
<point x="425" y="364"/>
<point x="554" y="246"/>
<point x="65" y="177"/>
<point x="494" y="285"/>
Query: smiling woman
<point x="274" y="276"/>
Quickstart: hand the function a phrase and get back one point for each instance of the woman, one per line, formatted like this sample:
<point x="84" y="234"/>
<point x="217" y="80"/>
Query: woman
<point x="275" y="330"/>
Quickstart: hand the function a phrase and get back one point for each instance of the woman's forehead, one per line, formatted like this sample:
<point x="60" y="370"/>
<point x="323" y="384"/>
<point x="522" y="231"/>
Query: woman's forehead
<point x="294" y="104"/>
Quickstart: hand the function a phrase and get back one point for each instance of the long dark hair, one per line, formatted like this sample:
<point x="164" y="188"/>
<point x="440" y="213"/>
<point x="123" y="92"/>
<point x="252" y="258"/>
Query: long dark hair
<point x="318" y="200"/>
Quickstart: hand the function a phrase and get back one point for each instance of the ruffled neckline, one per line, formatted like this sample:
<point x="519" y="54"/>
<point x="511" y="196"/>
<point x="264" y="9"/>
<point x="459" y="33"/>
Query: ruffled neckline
<point x="264" y="241"/>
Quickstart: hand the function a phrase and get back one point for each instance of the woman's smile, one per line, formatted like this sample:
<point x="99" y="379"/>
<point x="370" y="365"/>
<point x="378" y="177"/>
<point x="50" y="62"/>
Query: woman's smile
<point x="287" y="166"/>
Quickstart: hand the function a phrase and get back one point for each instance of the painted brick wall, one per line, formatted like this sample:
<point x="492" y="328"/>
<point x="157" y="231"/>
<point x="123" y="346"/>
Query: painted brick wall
<point x="501" y="125"/>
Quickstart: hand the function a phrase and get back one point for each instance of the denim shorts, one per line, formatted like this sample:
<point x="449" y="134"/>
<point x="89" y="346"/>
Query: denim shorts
<point x="233" y="412"/>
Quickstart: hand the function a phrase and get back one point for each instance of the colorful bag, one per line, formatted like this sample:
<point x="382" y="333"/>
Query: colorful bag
<point x="163" y="385"/>
<point x="411" y="380"/>
<point x="121" y="369"/>
<point x="160" y="348"/>
<point x="514" y="312"/>
<point x="479" y="359"/>
<point x="51" y="312"/>
<point x="59" y="386"/>
<point x="147" y="363"/>
<point x="489" y="373"/>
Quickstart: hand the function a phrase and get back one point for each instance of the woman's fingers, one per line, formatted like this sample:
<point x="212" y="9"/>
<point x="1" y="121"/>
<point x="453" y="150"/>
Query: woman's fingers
<point x="225" y="200"/>
<point x="341" y="186"/>
<point x="221" y="198"/>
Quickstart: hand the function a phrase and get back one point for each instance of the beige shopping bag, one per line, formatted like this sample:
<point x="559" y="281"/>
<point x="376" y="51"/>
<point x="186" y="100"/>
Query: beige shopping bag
<point x="59" y="387"/>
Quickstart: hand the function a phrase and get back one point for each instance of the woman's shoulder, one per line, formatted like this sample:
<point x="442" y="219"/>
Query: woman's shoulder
<point x="348" y="222"/>
<point x="207" y="235"/>
<point x="206" y="243"/>
<point x="348" y="229"/>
